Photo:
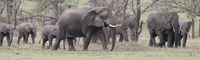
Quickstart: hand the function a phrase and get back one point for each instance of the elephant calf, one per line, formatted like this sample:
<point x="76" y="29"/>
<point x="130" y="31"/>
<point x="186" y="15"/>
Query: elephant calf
<point x="184" y="28"/>
<point x="24" y="30"/>
<point x="6" y="30"/>
<point x="49" y="32"/>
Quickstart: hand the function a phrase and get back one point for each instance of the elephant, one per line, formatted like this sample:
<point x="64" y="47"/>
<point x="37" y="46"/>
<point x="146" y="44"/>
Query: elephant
<point x="122" y="30"/>
<point x="48" y="33"/>
<point x="6" y="30"/>
<point x="85" y="22"/>
<point x="184" y="29"/>
<point x="165" y="25"/>
<point x="24" y="30"/>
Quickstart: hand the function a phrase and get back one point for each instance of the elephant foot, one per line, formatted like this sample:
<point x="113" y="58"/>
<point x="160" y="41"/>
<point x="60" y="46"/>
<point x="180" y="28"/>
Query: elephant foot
<point x="8" y="45"/>
<point x="48" y="47"/>
<point x="85" y="49"/>
<point x="53" y="49"/>
<point x="105" y="50"/>
<point x="72" y="49"/>
<point x="33" y="42"/>
<point x="42" y="47"/>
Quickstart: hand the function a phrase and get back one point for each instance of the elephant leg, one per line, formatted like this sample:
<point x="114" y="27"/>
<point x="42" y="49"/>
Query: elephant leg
<point x="19" y="39"/>
<point x="152" y="41"/>
<point x="50" y="38"/>
<point x="100" y="34"/>
<point x="120" y="38"/>
<point x="125" y="36"/>
<point x="26" y="38"/>
<point x="8" y="40"/>
<point x="162" y="39"/>
<point x="70" y="44"/>
<point x="170" y="39"/>
<point x="43" y="43"/>
<point x="1" y="40"/>
<point x="94" y="39"/>
<point x="64" y="40"/>
<point x="24" y="41"/>
<point x="33" y="38"/>
<point x="60" y="36"/>
<point x="87" y="40"/>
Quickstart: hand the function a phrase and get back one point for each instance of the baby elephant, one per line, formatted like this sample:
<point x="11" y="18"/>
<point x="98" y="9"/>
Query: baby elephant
<point x="49" y="32"/>
<point x="25" y="29"/>
<point x="6" y="30"/>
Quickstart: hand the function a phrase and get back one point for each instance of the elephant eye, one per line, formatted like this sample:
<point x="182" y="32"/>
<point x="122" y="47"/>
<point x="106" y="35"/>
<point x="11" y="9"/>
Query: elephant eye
<point x="105" y="17"/>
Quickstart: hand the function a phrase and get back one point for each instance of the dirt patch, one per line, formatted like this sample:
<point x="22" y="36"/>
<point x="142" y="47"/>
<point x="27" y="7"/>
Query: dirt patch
<point x="132" y="46"/>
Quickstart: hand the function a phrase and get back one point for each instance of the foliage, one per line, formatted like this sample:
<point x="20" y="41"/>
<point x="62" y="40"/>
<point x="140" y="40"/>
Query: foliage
<point x="54" y="6"/>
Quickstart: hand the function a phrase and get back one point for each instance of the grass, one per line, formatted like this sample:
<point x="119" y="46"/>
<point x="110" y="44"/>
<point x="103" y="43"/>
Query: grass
<point x="122" y="51"/>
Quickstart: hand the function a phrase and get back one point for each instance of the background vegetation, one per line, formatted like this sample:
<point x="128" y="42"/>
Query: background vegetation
<point x="43" y="12"/>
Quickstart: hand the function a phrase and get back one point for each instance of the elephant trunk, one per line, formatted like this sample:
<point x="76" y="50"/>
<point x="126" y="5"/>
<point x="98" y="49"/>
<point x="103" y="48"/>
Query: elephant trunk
<point x="184" y="39"/>
<point x="11" y="37"/>
<point x="113" y="37"/>
<point x="176" y="27"/>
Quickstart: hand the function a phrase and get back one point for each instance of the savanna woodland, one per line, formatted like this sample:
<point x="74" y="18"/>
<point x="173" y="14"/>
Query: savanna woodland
<point x="99" y="29"/>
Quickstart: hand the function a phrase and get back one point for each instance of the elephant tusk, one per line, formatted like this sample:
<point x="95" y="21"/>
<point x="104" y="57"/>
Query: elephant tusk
<point x="119" y="24"/>
<point x="112" y="25"/>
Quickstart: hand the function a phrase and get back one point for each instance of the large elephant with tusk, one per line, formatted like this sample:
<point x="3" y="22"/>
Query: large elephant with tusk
<point x="85" y="22"/>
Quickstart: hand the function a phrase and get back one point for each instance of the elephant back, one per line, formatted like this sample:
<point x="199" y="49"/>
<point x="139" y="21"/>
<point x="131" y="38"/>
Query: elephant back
<point x="162" y="19"/>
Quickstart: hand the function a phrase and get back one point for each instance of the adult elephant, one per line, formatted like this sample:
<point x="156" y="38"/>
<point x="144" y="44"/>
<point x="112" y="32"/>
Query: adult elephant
<point x="85" y="22"/>
<point x="48" y="33"/>
<point x="121" y="30"/>
<point x="6" y="30"/>
<point x="24" y="30"/>
<point x="163" y="24"/>
<point x="184" y="28"/>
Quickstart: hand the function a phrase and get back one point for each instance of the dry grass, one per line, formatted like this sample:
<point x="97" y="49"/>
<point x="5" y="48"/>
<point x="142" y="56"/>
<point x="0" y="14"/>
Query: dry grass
<point x="122" y="51"/>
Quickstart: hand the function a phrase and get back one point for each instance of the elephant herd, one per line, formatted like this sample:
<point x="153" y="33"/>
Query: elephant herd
<point x="168" y="27"/>
<point x="24" y="30"/>
<point x="102" y="23"/>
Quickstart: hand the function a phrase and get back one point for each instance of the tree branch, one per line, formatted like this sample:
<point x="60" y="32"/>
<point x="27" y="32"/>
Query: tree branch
<point x="149" y="6"/>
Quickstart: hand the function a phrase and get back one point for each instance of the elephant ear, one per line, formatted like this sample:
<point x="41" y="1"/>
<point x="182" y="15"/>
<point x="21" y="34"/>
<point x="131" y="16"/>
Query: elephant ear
<point x="27" y="28"/>
<point x="189" y="23"/>
<point x="92" y="18"/>
<point x="3" y="29"/>
<point x="54" y="31"/>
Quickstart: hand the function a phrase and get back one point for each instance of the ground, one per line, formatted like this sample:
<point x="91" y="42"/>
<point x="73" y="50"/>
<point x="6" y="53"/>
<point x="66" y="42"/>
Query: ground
<point x="122" y="51"/>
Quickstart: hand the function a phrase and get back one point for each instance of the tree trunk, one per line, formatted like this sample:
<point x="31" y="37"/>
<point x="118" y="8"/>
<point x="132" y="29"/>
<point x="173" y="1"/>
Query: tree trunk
<point x="199" y="28"/>
<point x="136" y="25"/>
<point x="9" y="10"/>
<point x="193" y="28"/>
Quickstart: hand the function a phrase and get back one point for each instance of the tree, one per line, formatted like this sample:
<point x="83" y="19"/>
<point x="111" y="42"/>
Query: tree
<point x="16" y="7"/>
<point x="2" y="6"/>
<point x="54" y="6"/>
<point x="9" y="10"/>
